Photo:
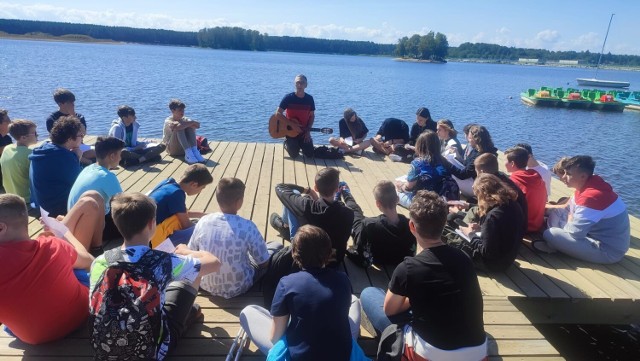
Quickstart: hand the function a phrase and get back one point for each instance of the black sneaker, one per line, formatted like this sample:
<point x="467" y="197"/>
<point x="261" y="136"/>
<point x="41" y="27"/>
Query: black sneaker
<point x="278" y="224"/>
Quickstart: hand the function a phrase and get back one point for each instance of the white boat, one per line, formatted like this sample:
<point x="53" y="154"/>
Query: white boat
<point x="600" y="82"/>
<point x="603" y="83"/>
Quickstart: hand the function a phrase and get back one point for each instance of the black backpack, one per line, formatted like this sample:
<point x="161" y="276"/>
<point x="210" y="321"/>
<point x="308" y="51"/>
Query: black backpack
<point x="125" y="309"/>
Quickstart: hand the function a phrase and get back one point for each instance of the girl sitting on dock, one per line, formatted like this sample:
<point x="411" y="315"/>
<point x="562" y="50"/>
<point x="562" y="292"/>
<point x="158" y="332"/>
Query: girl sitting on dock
<point x="480" y="142"/>
<point x="426" y="171"/>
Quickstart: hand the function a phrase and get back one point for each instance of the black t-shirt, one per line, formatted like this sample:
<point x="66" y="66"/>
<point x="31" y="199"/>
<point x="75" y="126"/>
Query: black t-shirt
<point x="390" y="243"/>
<point x="55" y="115"/>
<point x="334" y="218"/>
<point x="416" y="130"/>
<point x="446" y="302"/>
<point x="358" y="125"/>
<point x="6" y="140"/>
<point x="318" y="302"/>
<point x="393" y="128"/>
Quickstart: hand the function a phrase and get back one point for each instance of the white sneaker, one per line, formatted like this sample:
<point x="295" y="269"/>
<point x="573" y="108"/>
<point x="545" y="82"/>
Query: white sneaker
<point x="189" y="157"/>
<point x="395" y="157"/>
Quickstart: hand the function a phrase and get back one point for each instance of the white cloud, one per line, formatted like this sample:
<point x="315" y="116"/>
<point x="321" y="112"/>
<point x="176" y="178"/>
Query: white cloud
<point x="503" y="30"/>
<point x="548" y="36"/>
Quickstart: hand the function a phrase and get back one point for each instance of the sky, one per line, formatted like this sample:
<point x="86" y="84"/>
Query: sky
<point x="545" y="24"/>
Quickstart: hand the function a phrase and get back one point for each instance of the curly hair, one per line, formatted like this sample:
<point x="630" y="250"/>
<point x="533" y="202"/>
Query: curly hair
<point x="491" y="192"/>
<point x="483" y="140"/>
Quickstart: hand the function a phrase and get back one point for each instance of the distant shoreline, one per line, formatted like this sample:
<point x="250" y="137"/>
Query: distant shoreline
<point x="89" y="40"/>
<point x="71" y="38"/>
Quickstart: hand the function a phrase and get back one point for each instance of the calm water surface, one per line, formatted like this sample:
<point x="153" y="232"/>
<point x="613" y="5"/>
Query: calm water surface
<point x="233" y="93"/>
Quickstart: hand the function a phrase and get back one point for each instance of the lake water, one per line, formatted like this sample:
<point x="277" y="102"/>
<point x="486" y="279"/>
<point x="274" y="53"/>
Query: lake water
<point x="234" y="92"/>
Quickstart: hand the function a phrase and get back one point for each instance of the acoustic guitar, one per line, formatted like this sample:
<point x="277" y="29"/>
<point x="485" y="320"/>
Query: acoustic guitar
<point x="280" y="127"/>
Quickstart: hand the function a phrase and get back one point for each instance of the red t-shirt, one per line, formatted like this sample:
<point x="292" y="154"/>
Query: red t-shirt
<point x="41" y="300"/>
<point x="535" y="191"/>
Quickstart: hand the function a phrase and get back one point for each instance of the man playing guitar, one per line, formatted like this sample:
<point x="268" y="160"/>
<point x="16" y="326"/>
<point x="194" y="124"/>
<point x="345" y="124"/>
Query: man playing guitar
<point x="298" y="109"/>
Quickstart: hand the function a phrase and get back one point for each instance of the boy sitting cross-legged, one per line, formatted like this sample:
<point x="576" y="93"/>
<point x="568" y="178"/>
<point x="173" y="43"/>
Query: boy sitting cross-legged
<point x="142" y="299"/>
<point x="126" y="128"/>
<point x="43" y="283"/>
<point x="234" y="240"/>
<point x="15" y="158"/>
<point x="173" y="218"/>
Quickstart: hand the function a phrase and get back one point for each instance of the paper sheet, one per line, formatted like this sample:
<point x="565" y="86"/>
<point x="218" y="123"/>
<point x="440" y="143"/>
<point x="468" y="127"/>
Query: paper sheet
<point x="349" y="141"/>
<point x="53" y="224"/>
<point x="166" y="246"/>
<point x="464" y="236"/>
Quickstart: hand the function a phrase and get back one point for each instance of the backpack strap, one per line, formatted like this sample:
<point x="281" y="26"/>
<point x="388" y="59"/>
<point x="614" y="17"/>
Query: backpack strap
<point x="114" y="256"/>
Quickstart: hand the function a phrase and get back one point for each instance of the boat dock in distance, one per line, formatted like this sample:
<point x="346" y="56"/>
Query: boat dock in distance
<point x="591" y="99"/>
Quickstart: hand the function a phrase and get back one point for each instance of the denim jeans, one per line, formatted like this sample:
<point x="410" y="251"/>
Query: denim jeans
<point x="372" y="300"/>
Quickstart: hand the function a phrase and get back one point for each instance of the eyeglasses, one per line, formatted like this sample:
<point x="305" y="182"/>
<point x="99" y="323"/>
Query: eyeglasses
<point x="35" y="134"/>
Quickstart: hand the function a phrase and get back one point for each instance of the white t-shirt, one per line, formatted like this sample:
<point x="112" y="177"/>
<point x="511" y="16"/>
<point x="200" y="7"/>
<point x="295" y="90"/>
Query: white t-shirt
<point x="232" y="239"/>
<point x="545" y="173"/>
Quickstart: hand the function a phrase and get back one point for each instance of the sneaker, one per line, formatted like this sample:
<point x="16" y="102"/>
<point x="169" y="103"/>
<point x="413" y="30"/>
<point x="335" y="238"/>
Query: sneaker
<point x="199" y="156"/>
<point x="541" y="245"/>
<point x="130" y="162"/>
<point x="189" y="157"/>
<point x="278" y="224"/>
<point x="395" y="158"/>
<point x="344" y="187"/>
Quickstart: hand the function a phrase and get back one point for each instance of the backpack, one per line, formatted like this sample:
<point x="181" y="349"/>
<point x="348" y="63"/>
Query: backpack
<point x="203" y="144"/>
<point x="125" y="308"/>
<point x="324" y="152"/>
<point x="449" y="189"/>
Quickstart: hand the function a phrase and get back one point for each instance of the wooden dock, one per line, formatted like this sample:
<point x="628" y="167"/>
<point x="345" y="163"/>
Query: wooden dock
<point x="539" y="288"/>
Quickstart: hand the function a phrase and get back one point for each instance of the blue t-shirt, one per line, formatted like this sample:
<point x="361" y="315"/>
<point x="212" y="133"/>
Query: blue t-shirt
<point x="95" y="177"/>
<point x="428" y="176"/>
<point x="170" y="199"/>
<point x="318" y="302"/>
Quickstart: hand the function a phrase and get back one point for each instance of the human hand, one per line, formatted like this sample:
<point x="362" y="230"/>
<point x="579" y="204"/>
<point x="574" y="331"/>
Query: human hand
<point x="182" y="249"/>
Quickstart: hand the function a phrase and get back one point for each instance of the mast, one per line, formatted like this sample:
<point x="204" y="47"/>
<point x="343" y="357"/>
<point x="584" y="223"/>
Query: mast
<point x="603" y="44"/>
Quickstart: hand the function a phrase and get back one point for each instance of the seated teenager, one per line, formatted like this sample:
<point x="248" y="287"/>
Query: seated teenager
<point x="423" y="123"/>
<point x="179" y="134"/>
<point x="173" y="218"/>
<point x="126" y="129"/>
<point x="392" y="135"/>
<point x="234" y="240"/>
<point x="313" y="312"/>
<point x="149" y="324"/>
<point x="305" y="206"/>
<point x="98" y="177"/>
<point x="44" y="282"/>
<point x="66" y="101"/>
<point x="434" y="297"/>
<point x="479" y="143"/>
<point x="541" y="168"/>
<point x="594" y="224"/>
<point x="426" y="171"/>
<point x="15" y="159"/>
<point x="55" y="166"/>
<point x="318" y="207"/>
<point x="531" y="184"/>
<point x="384" y="239"/>
<point x="467" y="211"/>
<point x="493" y="242"/>
<point x="353" y="132"/>
<point x="449" y="144"/>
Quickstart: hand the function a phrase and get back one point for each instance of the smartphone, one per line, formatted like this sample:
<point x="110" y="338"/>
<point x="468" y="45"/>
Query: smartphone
<point x="460" y="222"/>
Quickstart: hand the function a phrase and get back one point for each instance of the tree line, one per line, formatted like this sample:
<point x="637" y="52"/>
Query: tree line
<point x="234" y="38"/>
<point x="493" y="52"/>
<point x="433" y="46"/>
